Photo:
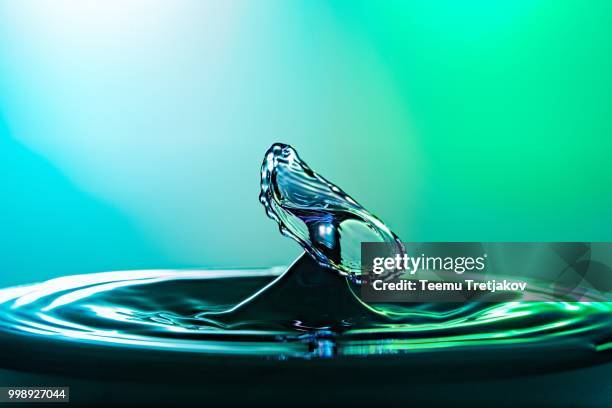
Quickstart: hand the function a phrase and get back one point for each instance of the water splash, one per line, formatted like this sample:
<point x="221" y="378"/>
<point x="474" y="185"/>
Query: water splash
<point x="300" y="312"/>
<point x="328" y="223"/>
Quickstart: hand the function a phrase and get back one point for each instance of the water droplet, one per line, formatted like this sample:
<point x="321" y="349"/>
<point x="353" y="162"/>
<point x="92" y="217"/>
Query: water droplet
<point x="328" y="223"/>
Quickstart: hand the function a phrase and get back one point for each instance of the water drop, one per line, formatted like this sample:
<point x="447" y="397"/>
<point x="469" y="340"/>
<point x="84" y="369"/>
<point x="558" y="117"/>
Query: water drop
<point x="328" y="223"/>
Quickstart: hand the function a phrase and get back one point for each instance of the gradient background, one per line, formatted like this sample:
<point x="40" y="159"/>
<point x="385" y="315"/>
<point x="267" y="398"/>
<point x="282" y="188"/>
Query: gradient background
<point x="131" y="132"/>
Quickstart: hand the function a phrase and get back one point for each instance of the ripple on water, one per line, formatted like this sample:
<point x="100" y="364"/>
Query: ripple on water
<point x="162" y="309"/>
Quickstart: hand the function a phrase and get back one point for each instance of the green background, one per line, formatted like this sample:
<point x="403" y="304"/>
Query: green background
<point x="131" y="133"/>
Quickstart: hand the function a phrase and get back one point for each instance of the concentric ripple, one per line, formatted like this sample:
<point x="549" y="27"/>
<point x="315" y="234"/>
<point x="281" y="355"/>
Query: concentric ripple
<point x="159" y="309"/>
